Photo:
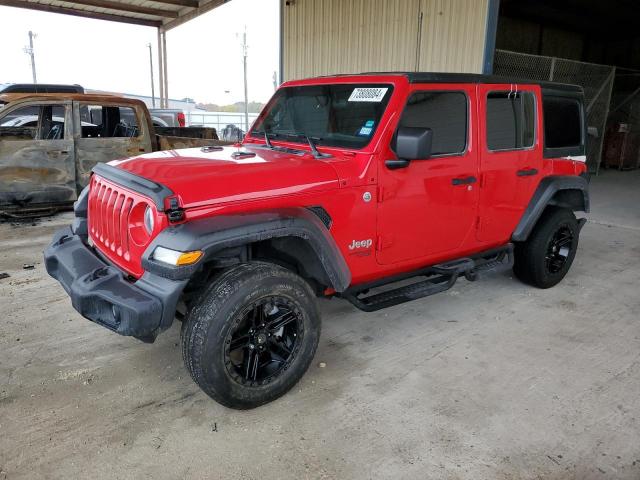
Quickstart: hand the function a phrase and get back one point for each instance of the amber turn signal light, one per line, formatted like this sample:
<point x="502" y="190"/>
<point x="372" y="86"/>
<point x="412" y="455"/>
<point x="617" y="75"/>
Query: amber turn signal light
<point x="189" y="258"/>
<point x="176" y="258"/>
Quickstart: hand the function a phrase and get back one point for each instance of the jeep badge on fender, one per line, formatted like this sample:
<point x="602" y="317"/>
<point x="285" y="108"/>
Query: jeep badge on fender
<point x="360" y="244"/>
<point x="473" y="175"/>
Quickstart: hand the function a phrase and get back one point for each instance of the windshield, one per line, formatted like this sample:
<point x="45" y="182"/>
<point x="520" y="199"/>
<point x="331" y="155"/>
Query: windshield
<point x="343" y="115"/>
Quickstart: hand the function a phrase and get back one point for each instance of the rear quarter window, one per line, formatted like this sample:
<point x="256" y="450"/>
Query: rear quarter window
<point x="562" y="122"/>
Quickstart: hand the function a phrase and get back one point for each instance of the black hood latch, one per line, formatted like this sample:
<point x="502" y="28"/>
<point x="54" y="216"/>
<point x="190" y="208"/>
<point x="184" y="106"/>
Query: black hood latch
<point x="175" y="213"/>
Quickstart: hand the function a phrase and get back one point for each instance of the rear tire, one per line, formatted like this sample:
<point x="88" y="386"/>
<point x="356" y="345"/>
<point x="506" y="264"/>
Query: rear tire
<point x="251" y="335"/>
<point x="545" y="257"/>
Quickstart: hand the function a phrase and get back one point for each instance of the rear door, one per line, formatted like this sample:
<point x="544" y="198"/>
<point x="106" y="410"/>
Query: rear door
<point x="36" y="153"/>
<point x="429" y="208"/>
<point x="107" y="131"/>
<point x="510" y="156"/>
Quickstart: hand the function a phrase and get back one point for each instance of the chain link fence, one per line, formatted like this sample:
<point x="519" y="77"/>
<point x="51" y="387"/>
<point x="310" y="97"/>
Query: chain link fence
<point x="597" y="81"/>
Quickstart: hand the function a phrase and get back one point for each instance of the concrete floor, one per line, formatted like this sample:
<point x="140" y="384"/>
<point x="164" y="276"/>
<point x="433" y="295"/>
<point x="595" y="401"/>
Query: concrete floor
<point x="491" y="380"/>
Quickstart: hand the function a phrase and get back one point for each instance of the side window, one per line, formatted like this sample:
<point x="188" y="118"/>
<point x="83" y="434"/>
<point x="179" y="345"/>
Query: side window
<point x="511" y="120"/>
<point x="20" y="124"/>
<point x="562" y="122"/>
<point x="445" y="113"/>
<point x="25" y="123"/>
<point x="52" y="122"/>
<point x="105" y="121"/>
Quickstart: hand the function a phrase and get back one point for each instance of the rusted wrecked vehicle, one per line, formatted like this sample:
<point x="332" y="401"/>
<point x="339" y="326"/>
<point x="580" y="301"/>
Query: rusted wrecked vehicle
<point x="50" y="142"/>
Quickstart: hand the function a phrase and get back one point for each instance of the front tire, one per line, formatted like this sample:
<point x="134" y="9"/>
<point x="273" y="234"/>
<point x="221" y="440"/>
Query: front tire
<point x="546" y="256"/>
<point x="251" y="335"/>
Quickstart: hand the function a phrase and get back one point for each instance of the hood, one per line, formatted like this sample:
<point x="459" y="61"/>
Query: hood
<point x="205" y="178"/>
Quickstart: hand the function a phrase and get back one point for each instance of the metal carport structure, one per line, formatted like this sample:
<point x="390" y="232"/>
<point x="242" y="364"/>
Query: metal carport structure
<point x="162" y="14"/>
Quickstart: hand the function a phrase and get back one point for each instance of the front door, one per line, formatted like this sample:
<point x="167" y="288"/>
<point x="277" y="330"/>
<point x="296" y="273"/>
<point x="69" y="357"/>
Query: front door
<point x="429" y="208"/>
<point x="36" y="154"/>
<point x="510" y="157"/>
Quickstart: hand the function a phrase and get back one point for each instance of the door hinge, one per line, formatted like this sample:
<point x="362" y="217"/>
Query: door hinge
<point x="380" y="194"/>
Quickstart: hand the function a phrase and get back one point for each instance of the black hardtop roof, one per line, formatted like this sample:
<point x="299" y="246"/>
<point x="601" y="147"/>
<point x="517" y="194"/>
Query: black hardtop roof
<point x="41" y="88"/>
<point x="441" y="77"/>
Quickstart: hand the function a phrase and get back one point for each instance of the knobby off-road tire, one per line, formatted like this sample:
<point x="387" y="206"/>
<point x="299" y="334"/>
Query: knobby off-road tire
<point x="252" y="311"/>
<point x="545" y="257"/>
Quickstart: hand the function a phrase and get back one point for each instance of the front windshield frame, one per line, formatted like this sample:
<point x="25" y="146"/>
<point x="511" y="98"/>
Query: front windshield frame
<point x="366" y="132"/>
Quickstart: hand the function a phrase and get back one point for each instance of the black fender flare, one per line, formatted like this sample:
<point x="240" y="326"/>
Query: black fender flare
<point x="550" y="192"/>
<point x="221" y="232"/>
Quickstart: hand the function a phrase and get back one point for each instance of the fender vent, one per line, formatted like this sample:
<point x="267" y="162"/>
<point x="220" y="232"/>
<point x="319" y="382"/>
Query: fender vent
<point x="322" y="215"/>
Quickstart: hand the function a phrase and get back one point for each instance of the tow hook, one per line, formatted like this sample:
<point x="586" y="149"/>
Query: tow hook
<point x="96" y="274"/>
<point x="175" y="213"/>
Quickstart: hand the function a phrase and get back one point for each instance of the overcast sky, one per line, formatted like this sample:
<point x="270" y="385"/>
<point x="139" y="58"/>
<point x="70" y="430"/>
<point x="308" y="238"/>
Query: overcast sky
<point x="204" y="56"/>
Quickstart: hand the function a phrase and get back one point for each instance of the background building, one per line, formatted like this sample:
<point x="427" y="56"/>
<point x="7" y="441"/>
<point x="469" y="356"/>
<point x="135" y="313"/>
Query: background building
<point x="321" y="37"/>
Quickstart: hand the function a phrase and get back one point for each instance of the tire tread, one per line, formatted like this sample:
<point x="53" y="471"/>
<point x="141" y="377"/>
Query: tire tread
<point x="529" y="255"/>
<point x="204" y="316"/>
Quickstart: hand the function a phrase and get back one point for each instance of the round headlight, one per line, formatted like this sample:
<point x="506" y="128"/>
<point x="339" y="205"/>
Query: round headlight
<point x="148" y="220"/>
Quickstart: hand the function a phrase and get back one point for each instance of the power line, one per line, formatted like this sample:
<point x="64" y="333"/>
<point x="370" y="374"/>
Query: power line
<point x="31" y="52"/>
<point x="246" y="94"/>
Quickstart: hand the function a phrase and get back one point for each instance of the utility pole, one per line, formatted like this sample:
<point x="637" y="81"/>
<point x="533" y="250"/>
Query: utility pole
<point x="153" y="92"/>
<point x="246" y="94"/>
<point x="30" y="51"/>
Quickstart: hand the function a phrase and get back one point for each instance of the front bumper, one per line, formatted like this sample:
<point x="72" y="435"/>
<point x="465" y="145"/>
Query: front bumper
<point x="101" y="293"/>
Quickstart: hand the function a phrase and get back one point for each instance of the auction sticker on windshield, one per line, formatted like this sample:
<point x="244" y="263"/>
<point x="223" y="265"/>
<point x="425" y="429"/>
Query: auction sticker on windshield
<point x="367" y="94"/>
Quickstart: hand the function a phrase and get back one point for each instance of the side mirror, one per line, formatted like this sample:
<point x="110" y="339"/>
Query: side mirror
<point x="412" y="143"/>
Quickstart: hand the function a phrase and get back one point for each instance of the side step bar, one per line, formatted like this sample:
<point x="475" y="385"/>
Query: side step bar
<point x="439" y="278"/>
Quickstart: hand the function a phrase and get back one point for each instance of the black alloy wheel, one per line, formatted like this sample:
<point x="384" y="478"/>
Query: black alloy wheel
<point x="263" y="341"/>
<point x="559" y="249"/>
<point x="546" y="256"/>
<point x="251" y="334"/>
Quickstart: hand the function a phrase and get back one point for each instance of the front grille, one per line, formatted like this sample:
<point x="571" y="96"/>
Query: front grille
<point x="109" y="208"/>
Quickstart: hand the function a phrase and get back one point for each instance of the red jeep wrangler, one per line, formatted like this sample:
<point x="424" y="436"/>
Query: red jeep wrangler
<point x="343" y="187"/>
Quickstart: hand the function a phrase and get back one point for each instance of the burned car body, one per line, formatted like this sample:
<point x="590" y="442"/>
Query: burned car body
<point x="50" y="142"/>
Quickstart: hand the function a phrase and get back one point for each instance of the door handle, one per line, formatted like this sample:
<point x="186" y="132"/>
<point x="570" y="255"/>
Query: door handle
<point x="527" y="172"/>
<point x="464" y="181"/>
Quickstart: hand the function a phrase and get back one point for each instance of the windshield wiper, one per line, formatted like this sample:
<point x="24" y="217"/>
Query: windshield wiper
<point x="266" y="139"/>
<point x="267" y="143"/>
<point x="310" y="140"/>
<point x="312" y="144"/>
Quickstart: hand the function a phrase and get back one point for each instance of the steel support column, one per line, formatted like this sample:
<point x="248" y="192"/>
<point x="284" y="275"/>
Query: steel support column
<point x="160" y="70"/>
<point x="164" y="66"/>
<point x="491" y="29"/>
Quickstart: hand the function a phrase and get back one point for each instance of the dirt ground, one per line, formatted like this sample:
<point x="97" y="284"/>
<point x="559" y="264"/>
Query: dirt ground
<point x="491" y="380"/>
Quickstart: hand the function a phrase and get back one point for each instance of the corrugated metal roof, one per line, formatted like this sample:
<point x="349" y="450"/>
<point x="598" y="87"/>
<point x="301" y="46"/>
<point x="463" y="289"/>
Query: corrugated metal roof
<point x="165" y="14"/>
